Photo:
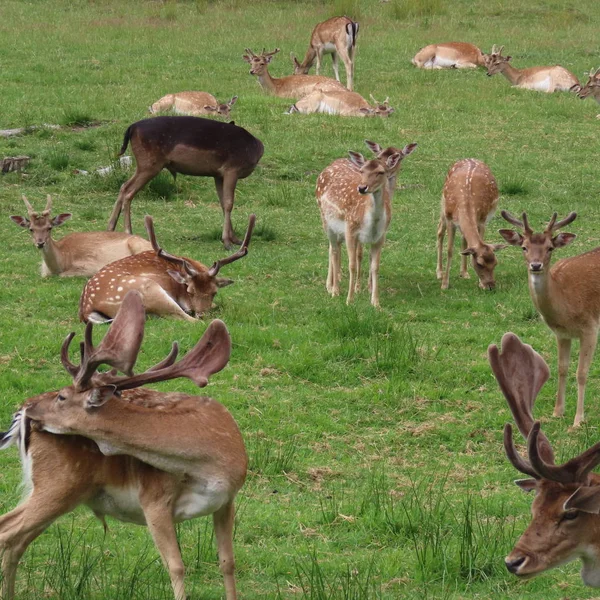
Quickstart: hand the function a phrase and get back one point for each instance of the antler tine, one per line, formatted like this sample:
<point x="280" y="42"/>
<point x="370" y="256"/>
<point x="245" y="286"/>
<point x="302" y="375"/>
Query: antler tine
<point x="566" y="473"/>
<point x="494" y="49"/>
<point x="512" y="220"/>
<point x="517" y="461"/>
<point x="500" y="51"/>
<point x="568" y="219"/>
<point x="48" y="208"/>
<point x="30" y="209"/>
<point x="387" y="100"/>
<point x="169" y="360"/>
<point x="250" y="52"/>
<point x="265" y="53"/>
<point x="373" y="99"/>
<point x="550" y="225"/>
<point x="71" y="369"/>
<point x="237" y="255"/>
<point x="526" y="227"/>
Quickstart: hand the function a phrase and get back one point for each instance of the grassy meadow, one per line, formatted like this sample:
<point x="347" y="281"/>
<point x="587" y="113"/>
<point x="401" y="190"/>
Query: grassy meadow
<point x="375" y="436"/>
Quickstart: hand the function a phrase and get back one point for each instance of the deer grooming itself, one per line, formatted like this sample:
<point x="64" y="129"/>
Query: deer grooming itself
<point x="567" y="296"/>
<point x="453" y="55"/>
<point x="565" y="523"/>
<point x="77" y="254"/>
<point x="355" y="200"/>
<point x="469" y="199"/>
<point x="591" y="88"/>
<point x="191" y="146"/>
<point x="169" y="285"/>
<point x="292" y="86"/>
<point x="193" y="103"/>
<point x="336" y="36"/>
<point x="344" y="104"/>
<point x="541" y="79"/>
<point x="167" y="457"/>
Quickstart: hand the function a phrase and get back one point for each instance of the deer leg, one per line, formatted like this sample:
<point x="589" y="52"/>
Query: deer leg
<point x="351" y="245"/>
<point x="319" y="55"/>
<point x="223" y="522"/>
<point x="586" y="353"/>
<point x="374" y="271"/>
<point x="344" y="55"/>
<point x="226" y="192"/>
<point x="336" y="272"/>
<point x="359" y="256"/>
<point x="440" y="247"/>
<point x="446" y="277"/>
<point x="464" y="259"/>
<point x="336" y="67"/>
<point x="157" y="301"/>
<point x="564" y="355"/>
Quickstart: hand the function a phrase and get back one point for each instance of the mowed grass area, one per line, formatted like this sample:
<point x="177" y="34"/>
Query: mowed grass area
<point x="375" y="437"/>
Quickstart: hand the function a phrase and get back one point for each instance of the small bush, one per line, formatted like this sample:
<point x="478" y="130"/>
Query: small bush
<point x="85" y="145"/>
<point x="73" y="117"/>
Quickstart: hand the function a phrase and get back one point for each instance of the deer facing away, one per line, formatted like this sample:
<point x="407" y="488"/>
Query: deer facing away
<point x="77" y="254"/>
<point x="345" y="104"/>
<point x="193" y="103"/>
<point x="452" y="55"/>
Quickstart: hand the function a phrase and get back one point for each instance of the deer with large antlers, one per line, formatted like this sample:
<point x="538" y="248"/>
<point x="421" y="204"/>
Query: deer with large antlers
<point x="292" y="86"/>
<point x="565" y="524"/>
<point x="170" y="285"/>
<point x="591" y="88"/>
<point x="344" y="104"/>
<point x="452" y="55"/>
<point x="77" y="254"/>
<point x="469" y="200"/>
<point x="336" y="36"/>
<point x="196" y="104"/>
<point x="146" y="457"/>
<point x="567" y="296"/>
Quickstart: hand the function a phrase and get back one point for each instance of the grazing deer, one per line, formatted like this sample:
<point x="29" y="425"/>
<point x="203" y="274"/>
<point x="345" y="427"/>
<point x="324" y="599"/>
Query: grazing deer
<point x="336" y="36"/>
<point x="170" y="285"/>
<point x="292" y="86"/>
<point x="591" y="88"/>
<point x="168" y="456"/>
<point x="192" y="146"/>
<point x="355" y="200"/>
<point x="565" y="524"/>
<point x="193" y="103"/>
<point x="453" y="55"/>
<point x="344" y="104"/>
<point x="541" y="79"/>
<point x="469" y="200"/>
<point x="77" y="254"/>
<point x="567" y="296"/>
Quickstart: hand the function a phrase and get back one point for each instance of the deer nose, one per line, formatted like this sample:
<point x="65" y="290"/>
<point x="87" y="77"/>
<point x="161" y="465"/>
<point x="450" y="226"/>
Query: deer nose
<point x="40" y="244"/>
<point x="362" y="189"/>
<point x="513" y="565"/>
<point x="536" y="267"/>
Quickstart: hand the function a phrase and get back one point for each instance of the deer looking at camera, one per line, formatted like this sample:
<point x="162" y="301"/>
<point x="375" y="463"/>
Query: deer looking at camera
<point x="192" y="146"/>
<point x="336" y="36"/>
<point x="591" y="88"/>
<point x="344" y="104"/>
<point x="469" y="200"/>
<point x="170" y="285"/>
<point x="452" y="55"/>
<point x="167" y="457"/>
<point x="565" y="522"/>
<point x="567" y="296"/>
<point x="193" y="103"/>
<point x="77" y="254"/>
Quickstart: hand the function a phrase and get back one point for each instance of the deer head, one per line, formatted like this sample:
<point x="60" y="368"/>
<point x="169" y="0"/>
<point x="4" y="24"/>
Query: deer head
<point x="375" y="172"/>
<point x="379" y="109"/>
<point x="298" y="68"/>
<point x="40" y="225"/>
<point x="591" y="88"/>
<point x="222" y="110"/>
<point x="260" y="62"/>
<point x="495" y="62"/>
<point x="384" y="153"/>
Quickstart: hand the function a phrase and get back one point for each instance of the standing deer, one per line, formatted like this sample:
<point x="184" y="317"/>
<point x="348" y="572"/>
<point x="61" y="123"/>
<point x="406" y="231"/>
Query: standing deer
<point x="193" y="103"/>
<point x="192" y="146"/>
<point x="355" y="200"/>
<point x="453" y="55"/>
<point x="567" y="296"/>
<point x="541" y="79"/>
<point x="77" y="254"/>
<point x="292" y="86"/>
<point x="168" y="456"/>
<point x="469" y="200"/>
<point x="591" y="88"/>
<point x="336" y="36"/>
<point x="345" y="104"/>
<point x="565" y="524"/>
<point x="170" y="285"/>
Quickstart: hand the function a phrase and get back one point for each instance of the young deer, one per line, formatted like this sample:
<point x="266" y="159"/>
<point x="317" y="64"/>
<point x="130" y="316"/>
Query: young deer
<point x="170" y="285"/>
<point x="192" y="146"/>
<point x="345" y="104"/>
<point x="336" y="36"/>
<point x="566" y="296"/>
<point x="167" y="457"/>
<point x="355" y="200"/>
<point x="77" y="254"/>
<point x="453" y="55"/>
<point x="469" y="200"/>
<point x="565" y="524"/>
<point x="591" y="88"/>
<point x="193" y="103"/>
<point x="292" y="86"/>
<point x="541" y="79"/>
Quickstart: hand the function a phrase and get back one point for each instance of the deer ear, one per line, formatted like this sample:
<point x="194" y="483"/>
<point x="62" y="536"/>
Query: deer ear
<point x="357" y="159"/>
<point x="222" y="282"/>
<point x="390" y="110"/>
<point x="99" y="396"/>
<point x="508" y="58"/>
<point x="468" y="252"/>
<point x="373" y="147"/>
<point x="527" y="485"/>
<point x="60" y="219"/>
<point x="498" y="247"/>
<point x="365" y="111"/>
<point x="177" y="276"/>
<point x="393" y="160"/>
<point x="563" y="239"/>
<point x="233" y="101"/>
<point x="586" y="499"/>
<point x="246" y="58"/>
<point x="21" y="221"/>
<point x="514" y="238"/>
<point x="210" y="108"/>
<point x="409" y="148"/>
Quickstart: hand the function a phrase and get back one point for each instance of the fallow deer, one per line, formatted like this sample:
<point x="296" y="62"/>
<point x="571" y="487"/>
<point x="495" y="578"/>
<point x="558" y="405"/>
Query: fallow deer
<point x="336" y="36"/>
<point x="453" y="55"/>
<point x="191" y="146"/>
<point x="354" y="197"/>
<point x="292" y="86"/>
<point x="344" y="104"/>
<point x="567" y="296"/>
<point x="469" y="200"/>
<point x="565" y="524"/>
<point x="170" y="285"/>
<point x="169" y="456"/>
<point x="541" y="79"/>
<point x="193" y="103"/>
<point x="591" y="88"/>
<point x="77" y="254"/>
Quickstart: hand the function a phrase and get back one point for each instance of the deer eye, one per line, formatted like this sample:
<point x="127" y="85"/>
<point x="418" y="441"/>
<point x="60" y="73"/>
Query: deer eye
<point x="60" y="397"/>
<point x="570" y="515"/>
<point x="524" y="248"/>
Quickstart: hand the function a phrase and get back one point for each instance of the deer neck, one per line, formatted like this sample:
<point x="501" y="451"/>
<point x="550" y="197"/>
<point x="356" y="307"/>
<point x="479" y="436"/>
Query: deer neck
<point x="544" y="294"/>
<point x="590" y="572"/>
<point x="512" y="74"/>
<point x="309" y="58"/>
<point x="469" y="229"/>
<point x="51" y="258"/>
<point x="267" y="82"/>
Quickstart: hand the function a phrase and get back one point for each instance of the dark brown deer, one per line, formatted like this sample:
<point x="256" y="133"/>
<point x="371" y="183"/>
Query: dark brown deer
<point x="191" y="146"/>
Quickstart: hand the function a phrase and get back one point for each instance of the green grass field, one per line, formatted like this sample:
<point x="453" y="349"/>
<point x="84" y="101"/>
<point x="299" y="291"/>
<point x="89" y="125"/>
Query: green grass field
<point x="375" y="437"/>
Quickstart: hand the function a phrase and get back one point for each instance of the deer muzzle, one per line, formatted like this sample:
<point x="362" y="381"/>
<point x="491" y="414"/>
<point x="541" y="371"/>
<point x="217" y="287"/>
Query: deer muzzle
<point x="514" y="564"/>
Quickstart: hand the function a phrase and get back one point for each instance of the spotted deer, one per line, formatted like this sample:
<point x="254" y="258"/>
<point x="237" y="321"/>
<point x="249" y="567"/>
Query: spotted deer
<point x="452" y="55"/>
<point x="469" y="200"/>
<point x="196" y="104"/>
<point x="167" y="457"/>
<point x="336" y="36"/>
<point x="77" y="254"/>
<point x="344" y="104"/>
<point x="591" y="88"/>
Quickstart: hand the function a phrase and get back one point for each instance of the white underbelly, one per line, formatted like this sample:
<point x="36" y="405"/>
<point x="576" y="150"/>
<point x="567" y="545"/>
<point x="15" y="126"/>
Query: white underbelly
<point x="373" y="227"/>
<point x="329" y="48"/>
<point x="444" y="63"/>
<point x="336" y="229"/>
<point x="543" y="85"/>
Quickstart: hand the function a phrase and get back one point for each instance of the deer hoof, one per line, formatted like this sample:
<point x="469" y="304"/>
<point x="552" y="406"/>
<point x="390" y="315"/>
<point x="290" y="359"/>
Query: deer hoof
<point x="465" y="275"/>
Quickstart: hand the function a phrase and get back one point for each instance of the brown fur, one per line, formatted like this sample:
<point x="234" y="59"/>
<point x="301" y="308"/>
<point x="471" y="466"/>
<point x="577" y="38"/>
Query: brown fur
<point x="345" y="104"/>
<point x="196" y="104"/>
<point x="451" y="55"/>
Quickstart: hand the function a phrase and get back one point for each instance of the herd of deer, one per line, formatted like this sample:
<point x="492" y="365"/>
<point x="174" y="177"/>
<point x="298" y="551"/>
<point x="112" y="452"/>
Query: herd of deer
<point x="185" y="457"/>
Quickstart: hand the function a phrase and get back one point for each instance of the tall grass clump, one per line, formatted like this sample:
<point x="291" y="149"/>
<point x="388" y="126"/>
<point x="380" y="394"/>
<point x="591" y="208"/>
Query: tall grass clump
<point x="419" y="9"/>
<point x="74" y="117"/>
<point x="58" y="159"/>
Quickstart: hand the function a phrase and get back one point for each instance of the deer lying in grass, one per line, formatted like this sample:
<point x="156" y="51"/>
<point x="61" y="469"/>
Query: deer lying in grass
<point x="167" y="456"/>
<point x="591" y="88"/>
<point x="469" y="200"/>
<point x="193" y="103"/>
<point x="192" y="146"/>
<point x="452" y="55"/>
<point x="541" y="79"/>
<point x="564" y="523"/>
<point x="344" y="104"/>
<point x="336" y="36"/>
<point x="77" y="254"/>
<point x="292" y="86"/>
<point x="170" y="285"/>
